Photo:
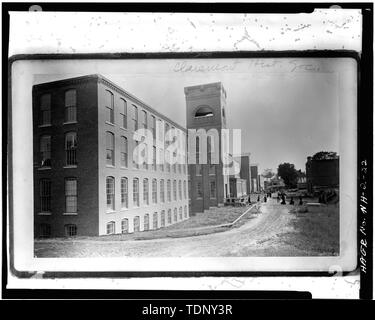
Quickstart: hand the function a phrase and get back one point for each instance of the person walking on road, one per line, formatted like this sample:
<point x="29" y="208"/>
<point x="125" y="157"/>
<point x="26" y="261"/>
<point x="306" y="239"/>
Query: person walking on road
<point x="283" y="199"/>
<point x="300" y="201"/>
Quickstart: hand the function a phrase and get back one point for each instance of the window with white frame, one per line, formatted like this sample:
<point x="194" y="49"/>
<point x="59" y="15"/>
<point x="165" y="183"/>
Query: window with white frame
<point x="45" y="151"/>
<point x="175" y="215"/>
<point x="145" y="191"/>
<point x="135" y="155"/>
<point x="155" y="221"/>
<point x="169" y="190"/>
<point x="136" y="192"/>
<point x="174" y="190"/>
<point x="109" y="106"/>
<point x="197" y="150"/>
<point x="124" y="192"/>
<point x="135" y="118"/>
<point x="210" y="144"/>
<point x="161" y="159"/>
<point x="144" y="119"/>
<point x="136" y="224"/>
<point x="146" y="222"/>
<point x="124" y="113"/>
<point x="153" y="127"/>
<point x="153" y="158"/>
<point x="161" y="130"/>
<point x="180" y="189"/>
<point x="154" y="191"/>
<point x="71" y="195"/>
<point x="45" y="195"/>
<point x="110" y="148"/>
<point x="185" y="212"/>
<point x="110" y="191"/>
<point x="144" y="155"/>
<point x="124" y="152"/>
<point x="162" y="191"/>
<point x="185" y="189"/>
<point x="70" y="230"/>
<point x="45" y="109"/>
<point x="71" y="105"/>
<point x="111" y="227"/>
<point x="166" y="135"/>
<point x="180" y="213"/>
<point x="71" y="148"/>
<point x="162" y="219"/>
<point x="169" y="216"/>
<point x="124" y="225"/>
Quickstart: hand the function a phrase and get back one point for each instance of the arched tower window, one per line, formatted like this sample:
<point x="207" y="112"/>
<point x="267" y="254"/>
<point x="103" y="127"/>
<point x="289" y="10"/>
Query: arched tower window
<point x="203" y="112"/>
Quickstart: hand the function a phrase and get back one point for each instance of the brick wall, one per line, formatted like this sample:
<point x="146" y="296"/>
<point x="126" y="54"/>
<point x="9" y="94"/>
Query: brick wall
<point x="86" y="218"/>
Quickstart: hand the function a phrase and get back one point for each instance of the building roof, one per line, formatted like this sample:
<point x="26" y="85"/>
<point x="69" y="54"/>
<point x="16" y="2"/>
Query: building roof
<point x="204" y="86"/>
<point x="101" y="78"/>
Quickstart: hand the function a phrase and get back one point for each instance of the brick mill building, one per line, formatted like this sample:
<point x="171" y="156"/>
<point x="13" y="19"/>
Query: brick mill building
<point x="85" y="179"/>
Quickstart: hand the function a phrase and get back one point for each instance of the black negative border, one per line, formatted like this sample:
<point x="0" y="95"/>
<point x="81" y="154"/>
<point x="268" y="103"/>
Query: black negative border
<point x="365" y="64"/>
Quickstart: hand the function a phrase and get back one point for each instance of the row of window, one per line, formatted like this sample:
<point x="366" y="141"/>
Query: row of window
<point x="156" y="186"/>
<point x="70" y="110"/>
<point x="147" y="225"/>
<point x="123" y="107"/>
<point x="70" y="149"/>
<point x="45" y="230"/>
<point x="124" y="153"/>
<point x="199" y="169"/>
<point x="71" y="229"/>
<point x="135" y="125"/>
<point x="70" y="103"/>
<point x="71" y="193"/>
<point x="199" y="189"/>
<point x="71" y="153"/>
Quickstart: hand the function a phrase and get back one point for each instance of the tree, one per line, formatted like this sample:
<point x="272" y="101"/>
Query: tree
<point x="267" y="173"/>
<point x="288" y="173"/>
<point x="325" y="155"/>
<point x="300" y="174"/>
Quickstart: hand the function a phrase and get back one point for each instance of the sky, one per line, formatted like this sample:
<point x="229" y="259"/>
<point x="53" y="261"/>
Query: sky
<point x="287" y="109"/>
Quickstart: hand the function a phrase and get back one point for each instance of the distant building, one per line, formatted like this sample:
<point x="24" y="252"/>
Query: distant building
<point x="237" y="187"/>
<point x="322" y="174"/>
<point x="245" y="170"/>
<point x="274" y="183"/>
<point x="255" y="179"/>
<point x="262" y="181"/>
<point x="86" y="181"/>
<point x="301" y="183"/>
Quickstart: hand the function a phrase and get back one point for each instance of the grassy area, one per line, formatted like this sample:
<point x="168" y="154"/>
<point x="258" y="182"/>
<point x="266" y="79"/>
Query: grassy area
<point x="211" y="218"/>
<point x="191" y="227"/>
<point x="318" y="233"/>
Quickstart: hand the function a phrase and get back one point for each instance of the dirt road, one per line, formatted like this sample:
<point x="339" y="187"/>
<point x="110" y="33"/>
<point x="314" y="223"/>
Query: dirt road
<point x="269" y="233"/>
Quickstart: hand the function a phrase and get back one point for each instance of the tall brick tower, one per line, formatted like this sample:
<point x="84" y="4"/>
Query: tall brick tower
<point x="205" y="109"/>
